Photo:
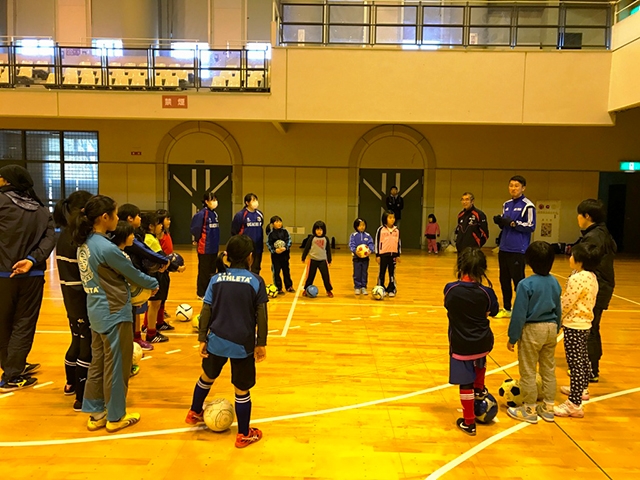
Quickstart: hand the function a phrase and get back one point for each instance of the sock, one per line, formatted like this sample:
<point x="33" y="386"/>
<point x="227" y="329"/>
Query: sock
<point x="137" y="335"/>
<point x="243" y="412"/>
<point x="70" y="371"/>
<point x="200" y="394"/>
<point x="151" y="332"/>
<point x="98" y="416"/>
<point x="160" y="318"/>
<point x="466" y="398"/>
<point x="478" y="383"/>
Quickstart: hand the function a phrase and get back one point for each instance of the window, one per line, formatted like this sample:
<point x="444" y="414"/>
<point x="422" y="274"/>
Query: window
<point x="187" y="50"/>
<point x="32" y="47"/>
<point x="59" y="162"/>
<point x="258" y="51"/>
<point x="110" y="47"/>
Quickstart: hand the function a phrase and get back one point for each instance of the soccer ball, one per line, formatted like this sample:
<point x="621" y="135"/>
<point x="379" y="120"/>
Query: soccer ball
<point x="184" y="312"/>
<point x="139" y="295"/>
<point x="362" y="251"/>
<point x="486" y="410"/>
<point x="137" y="354"/>
<point x="511" y="392"/>
<point x="378" y="292"/>
<point x="196" y="322"/>
<point x="177" y="259"/>
<point x="312" y="291"/>
<point x="218" y="415"/>
<point x="279" y="244"/>
<point x="272" y="291"/>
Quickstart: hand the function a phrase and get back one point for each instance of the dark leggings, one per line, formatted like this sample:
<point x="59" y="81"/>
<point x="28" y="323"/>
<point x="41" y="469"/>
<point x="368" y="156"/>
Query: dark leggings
<point x="78" y="357"/>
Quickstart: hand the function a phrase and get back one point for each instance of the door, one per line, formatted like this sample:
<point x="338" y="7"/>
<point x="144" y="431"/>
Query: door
<point x="374" y="189"/>
<point x="187" y="186"/>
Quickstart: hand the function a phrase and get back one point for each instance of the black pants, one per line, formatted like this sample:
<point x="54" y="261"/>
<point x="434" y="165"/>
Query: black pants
<point x="206" y="270"/>
<point x="314" y="266"/>
<point x="20" y="300"/>
<point x="388" y="262"/>
<point x="257" y="260"/>
<point x="280" y="263"/>
<point x="511" y="270"/>
<point x="78" y="357"/>
<point x="594" y="342"/>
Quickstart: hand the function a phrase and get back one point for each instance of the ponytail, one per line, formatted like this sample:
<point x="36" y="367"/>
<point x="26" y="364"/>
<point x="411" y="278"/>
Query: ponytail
<point x="82" y="221"/>
<point x="239" y="248"/>
<point x="66" y="207"/>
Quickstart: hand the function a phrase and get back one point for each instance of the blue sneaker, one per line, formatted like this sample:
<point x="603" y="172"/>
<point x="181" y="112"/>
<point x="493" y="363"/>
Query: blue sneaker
<point x="523" y="413"/>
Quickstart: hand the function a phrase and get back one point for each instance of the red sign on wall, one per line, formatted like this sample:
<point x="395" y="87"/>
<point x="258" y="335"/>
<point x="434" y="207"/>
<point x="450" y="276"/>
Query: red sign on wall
<point x="174" y="101"/>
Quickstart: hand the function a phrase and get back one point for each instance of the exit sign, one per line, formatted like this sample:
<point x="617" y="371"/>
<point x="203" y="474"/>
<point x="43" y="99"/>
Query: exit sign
<point x="630" y="166"/>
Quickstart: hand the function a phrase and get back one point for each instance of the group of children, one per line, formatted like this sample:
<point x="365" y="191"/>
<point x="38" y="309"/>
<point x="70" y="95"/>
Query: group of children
<point x="540" y="311"/>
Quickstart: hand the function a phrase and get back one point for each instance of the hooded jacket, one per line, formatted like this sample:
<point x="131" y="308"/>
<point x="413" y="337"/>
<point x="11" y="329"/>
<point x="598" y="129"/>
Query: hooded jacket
<point x="598" y="235"/>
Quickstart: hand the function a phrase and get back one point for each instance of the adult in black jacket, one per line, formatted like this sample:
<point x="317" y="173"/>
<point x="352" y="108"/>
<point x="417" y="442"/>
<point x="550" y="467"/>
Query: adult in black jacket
<point x="395" y="204"/>
<point x="27" y="237"/>
<point x="472" y="229"/>
<point x="591" y="217"/>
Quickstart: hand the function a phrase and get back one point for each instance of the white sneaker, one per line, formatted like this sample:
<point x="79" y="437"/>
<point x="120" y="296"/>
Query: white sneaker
<point x="357" y="291"/>
<point x="568" y="409"/>
<point x="567" y="391"/>
<point x="391" y="294"/>
<point x="503" y="313"/>
<point x="364" y="291"/>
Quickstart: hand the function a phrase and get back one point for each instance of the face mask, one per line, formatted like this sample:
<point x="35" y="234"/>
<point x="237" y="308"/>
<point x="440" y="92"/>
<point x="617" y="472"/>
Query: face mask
<point x="214" y="205"/>
<point x="254" y="205"/>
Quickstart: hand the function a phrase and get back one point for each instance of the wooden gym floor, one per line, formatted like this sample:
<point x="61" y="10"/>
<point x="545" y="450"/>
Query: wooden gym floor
<point x="352" y="388"/>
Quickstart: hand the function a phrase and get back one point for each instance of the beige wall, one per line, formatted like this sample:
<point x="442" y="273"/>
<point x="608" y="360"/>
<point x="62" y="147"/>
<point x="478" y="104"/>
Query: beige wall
<point x="625" y="64"/>
<point x="303" y="175"/>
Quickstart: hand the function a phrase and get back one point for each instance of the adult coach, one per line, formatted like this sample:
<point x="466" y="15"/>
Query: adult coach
<point x="518" y="221"/>
<point x="472" y="229"/>
<point x="27" y="237"/>
<point x="249" y="221"/>
<point x="591" y="217"/>
<point x="395" y="204"/>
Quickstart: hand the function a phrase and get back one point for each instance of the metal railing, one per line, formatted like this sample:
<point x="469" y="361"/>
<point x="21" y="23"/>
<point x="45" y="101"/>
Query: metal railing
<point x="92" y="68"/>
<point x="446" y="24"/>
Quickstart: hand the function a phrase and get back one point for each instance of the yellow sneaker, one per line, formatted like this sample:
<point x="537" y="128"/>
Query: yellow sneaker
<point x="93" y="425"/>
<point x="126" y="421"/>
<point x="503" y="313"/>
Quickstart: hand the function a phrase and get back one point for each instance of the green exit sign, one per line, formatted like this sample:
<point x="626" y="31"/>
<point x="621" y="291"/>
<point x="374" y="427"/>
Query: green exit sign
<point x="630" y="166"/>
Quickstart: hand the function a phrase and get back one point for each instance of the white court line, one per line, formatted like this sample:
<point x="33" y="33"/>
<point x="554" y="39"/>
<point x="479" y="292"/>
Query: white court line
<point x="295" y="301"/>
<point x="196" y="346"/>
<point x="374" y="316"/>
<point x="6" y="395"/>
<point x="294" y="327"/>
<point x="617" y="296"/>
<point x="273" y="331"/>
<point x="394" y="314"/>
<point x="146" y="358"/>
<point x="411" y="313"/>
<point x="336" y="321"/>
<point x="314" y="324"/>
<point x="170" y="352"/>
<point x="495" y="438"/>
<point x="42" y="385"/>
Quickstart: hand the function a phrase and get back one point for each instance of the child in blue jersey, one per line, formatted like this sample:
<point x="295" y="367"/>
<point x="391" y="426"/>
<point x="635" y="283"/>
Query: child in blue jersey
<point x="248" y="221"/>
<point x="205" y="229"/>
<point x="279" y="254"/>
<point x="360" y="264"/>
<point x="534" y="326"/>
<point x="469" y="303"/>
<point x="105" y="272"/>
<point x="233" y="325"/>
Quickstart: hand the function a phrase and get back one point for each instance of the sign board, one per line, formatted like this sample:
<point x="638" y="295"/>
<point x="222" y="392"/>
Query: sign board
<point x="174" y="101"/>
<point x="547" y="221"/>
<point x="630" y="166"/>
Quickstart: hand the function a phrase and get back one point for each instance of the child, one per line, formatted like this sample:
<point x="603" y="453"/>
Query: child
<point x="234" y="307"/>
<point x="318" y="248"/>
<point x="142" y="257"/>
<point x="248" y="221"/>
<point x="206" y="234"/>
<point x="578" y="302"/>
<point x="360" y="265"/>
<point x="388" y="251"/>
<point x="166" y="243"/>
<point x="78" y="357"/>
<point x="535" y="323"/>
<point x="279" y="256"/>
<point x="123" y="236"/>
<point x="432" y="232"/>
<point x="105" y="271"/>
<point x="469" y="304"/>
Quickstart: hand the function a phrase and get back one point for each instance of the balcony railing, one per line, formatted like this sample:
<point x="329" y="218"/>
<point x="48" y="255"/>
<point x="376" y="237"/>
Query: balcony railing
<point x="446" y="24"/>
<point x="85" y="68"/>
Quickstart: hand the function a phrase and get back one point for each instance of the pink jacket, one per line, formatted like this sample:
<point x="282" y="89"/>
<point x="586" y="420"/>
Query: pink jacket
<point x="432" y="229"/>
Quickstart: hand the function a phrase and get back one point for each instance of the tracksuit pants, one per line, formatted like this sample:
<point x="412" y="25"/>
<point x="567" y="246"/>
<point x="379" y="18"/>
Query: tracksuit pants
<point x="388" y="262"/>
<point x="206" y="270"/>
<point x="280" y="263"/>
<point x="78" y="357"/>
<point x="314" y="266"/>
<point x="511" y="270"/>
<point x="21" y="299"/>
<point x="360" y="272"/>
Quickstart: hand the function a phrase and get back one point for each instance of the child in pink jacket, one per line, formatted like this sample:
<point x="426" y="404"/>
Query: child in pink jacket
<point x="432" y="232"/>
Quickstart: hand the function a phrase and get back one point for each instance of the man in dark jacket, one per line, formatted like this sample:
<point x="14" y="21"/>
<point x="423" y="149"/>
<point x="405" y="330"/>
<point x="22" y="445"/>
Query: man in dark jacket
<point x="591" y="216"/>
<point x="395" y="204"/>
<point x="27" y="237"/>
<point x="472" y="229"/>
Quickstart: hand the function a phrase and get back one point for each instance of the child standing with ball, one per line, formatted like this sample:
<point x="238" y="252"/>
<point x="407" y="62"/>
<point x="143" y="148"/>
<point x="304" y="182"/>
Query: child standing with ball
<point x="234" y="307"/>
<point x="279" y="244"/>
<point x="318" y="248"/>
<point x="388" y="251"/>
<point x="469" y="305"/>
<point x="358" y="239"/>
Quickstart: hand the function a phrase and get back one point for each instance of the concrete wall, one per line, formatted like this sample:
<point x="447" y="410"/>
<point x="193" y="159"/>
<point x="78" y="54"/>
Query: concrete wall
<point x="625" y="64"/>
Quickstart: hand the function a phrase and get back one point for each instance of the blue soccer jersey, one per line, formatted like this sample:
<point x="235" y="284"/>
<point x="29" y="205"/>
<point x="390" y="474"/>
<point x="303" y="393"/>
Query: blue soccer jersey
<point x="234" y="297"/>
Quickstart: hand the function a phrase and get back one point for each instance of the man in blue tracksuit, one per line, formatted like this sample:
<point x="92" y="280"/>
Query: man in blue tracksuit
<point x="248" y="221"/>
<point x="518" y="221"/>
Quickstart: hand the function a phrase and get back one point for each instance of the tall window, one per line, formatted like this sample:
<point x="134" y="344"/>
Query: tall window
<point x="59" y="162"/>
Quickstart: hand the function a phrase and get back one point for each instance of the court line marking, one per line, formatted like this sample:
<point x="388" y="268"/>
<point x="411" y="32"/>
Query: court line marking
<point x="303" y="277"/>
<point x="336" y="321"/>
<point x="294" y="327"/>
<point x="40" y="385"/>
<point x="6" y="394"/>
<point x="314" y="324"/>
<point x="495" y="438"/>
<point x="170" y="352"/>
<point x="146" y="358"/>
<point x="617" y="296"/>
<point x="152" y="433"/>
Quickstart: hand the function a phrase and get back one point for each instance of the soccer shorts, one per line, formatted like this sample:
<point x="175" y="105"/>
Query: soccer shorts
<point x="243" y="370"/>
